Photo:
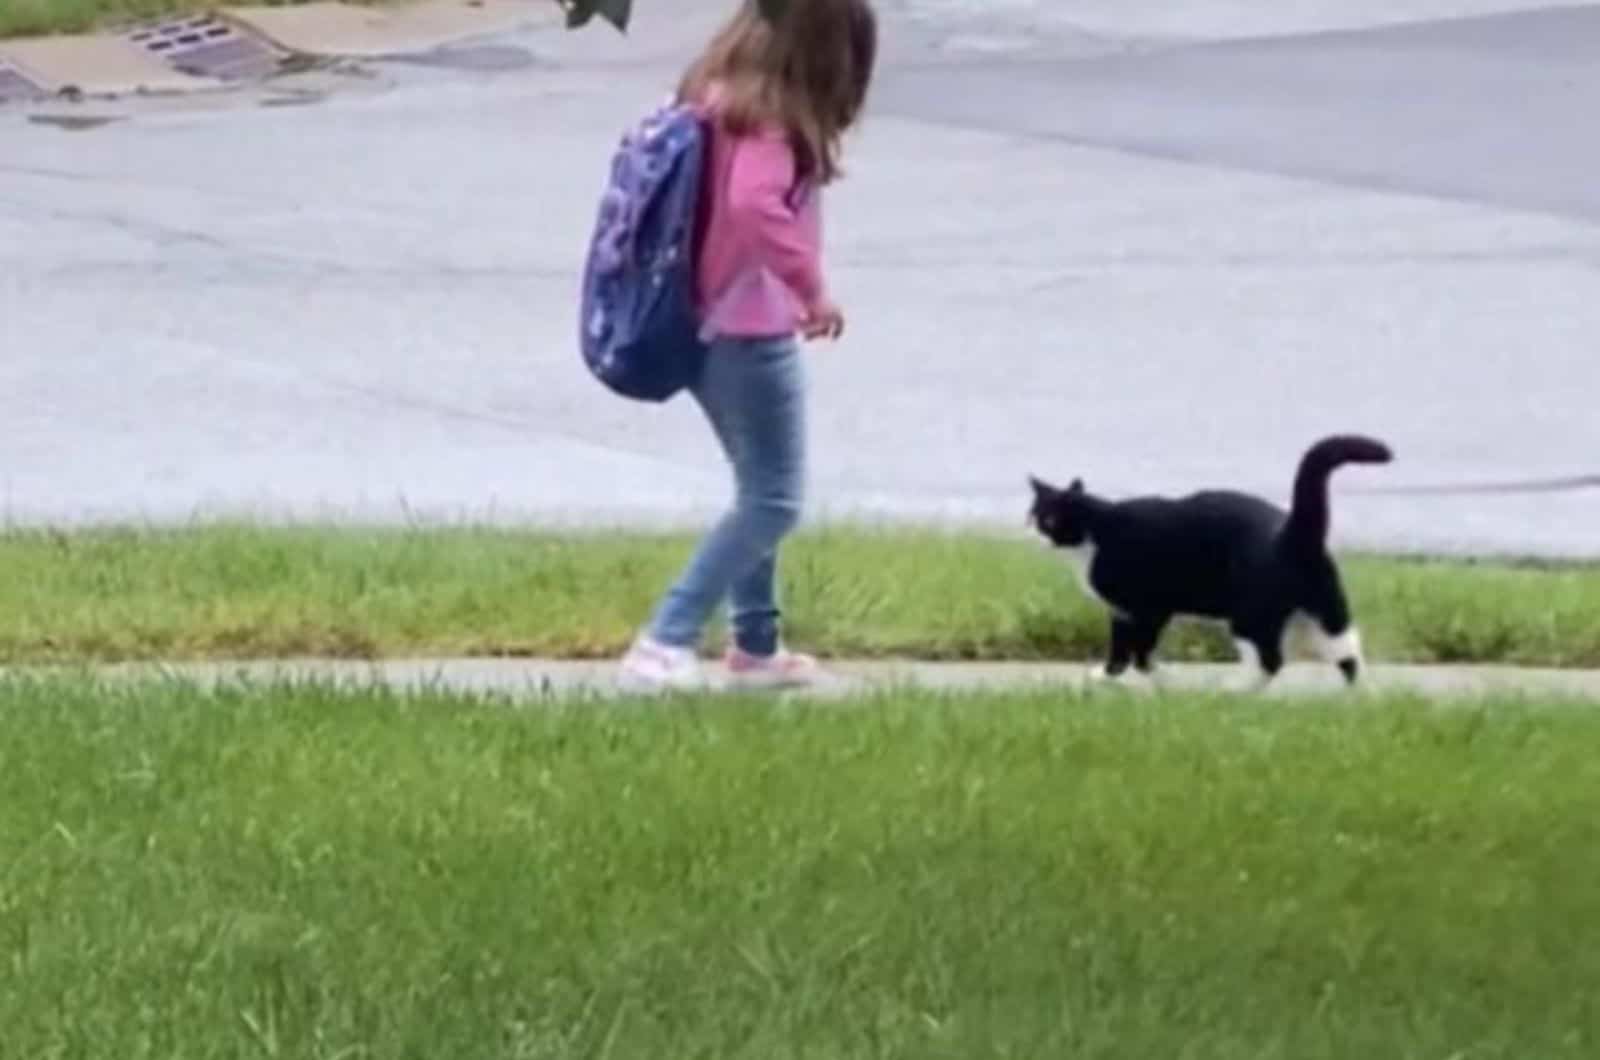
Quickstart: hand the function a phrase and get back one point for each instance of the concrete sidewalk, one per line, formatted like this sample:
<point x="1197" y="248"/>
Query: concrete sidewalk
<point x="533" y="679"/>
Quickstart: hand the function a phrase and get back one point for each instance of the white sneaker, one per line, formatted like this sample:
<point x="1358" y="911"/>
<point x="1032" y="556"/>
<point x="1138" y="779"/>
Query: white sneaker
<point x="782" y="669"/>
<point x="650" y="666"/>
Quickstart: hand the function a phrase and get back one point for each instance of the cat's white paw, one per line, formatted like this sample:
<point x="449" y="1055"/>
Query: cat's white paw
<point x="1099" y="676"/>
<point x="1129" y="680"/>
<point x="1160" y="680"/>
<point x="1143" y="681"/>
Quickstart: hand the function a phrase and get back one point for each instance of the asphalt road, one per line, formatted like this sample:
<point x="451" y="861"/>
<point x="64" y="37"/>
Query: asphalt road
<point x="1159" y="249"/>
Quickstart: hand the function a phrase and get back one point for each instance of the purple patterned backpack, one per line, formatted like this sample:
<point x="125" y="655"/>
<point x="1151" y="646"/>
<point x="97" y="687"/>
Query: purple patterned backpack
<point x="639" y="331"/>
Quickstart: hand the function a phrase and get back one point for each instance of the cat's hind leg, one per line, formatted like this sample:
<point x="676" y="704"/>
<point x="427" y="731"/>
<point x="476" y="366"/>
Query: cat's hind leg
<point x="1342" y="649"/>
<point x="1260" y="658"/>
<point x="1333" y="633"/>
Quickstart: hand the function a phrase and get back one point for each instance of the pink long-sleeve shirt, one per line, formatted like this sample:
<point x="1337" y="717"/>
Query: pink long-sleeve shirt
<point x="760" y="260"/>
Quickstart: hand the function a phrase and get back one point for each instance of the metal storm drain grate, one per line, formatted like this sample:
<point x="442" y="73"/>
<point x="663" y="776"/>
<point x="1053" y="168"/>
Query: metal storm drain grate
<point x="207" y="46"/>
<point x="14" y="84"/>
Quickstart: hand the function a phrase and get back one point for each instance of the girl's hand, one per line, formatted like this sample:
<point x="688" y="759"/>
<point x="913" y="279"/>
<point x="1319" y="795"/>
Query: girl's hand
<point x="824" y="321"/>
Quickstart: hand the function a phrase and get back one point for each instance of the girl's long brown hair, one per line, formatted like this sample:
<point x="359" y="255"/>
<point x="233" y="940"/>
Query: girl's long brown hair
<point x="801" y="65"/>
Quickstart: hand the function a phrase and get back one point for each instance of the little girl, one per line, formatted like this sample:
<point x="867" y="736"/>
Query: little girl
<point x="781" y="84"/>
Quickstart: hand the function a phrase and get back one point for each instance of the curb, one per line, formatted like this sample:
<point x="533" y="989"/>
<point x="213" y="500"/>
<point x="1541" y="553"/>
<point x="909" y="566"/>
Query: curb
<point x="243" y="45"/>
<point x="97" y="65"/>
<point x="337" y="30"/>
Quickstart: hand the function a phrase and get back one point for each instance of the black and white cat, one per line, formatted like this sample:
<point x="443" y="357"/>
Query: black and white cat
<point x="1215" y="554"/>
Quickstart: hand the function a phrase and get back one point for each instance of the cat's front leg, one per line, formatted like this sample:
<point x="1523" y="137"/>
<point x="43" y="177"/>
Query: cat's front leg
<point x="1127" y="662"/>
<point x="1146" y="635"/>
<point x="1120" y="655"/>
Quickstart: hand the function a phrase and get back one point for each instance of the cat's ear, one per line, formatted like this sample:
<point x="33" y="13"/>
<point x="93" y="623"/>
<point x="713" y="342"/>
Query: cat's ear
<point x="1041" y="488"/>
<point x="1076" y="487"/>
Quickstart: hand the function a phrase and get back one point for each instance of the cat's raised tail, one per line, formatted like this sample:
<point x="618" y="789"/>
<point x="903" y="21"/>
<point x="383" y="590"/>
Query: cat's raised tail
<point x="1308" y="514"/>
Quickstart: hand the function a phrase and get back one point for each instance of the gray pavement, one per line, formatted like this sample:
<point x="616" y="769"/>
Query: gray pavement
<point x="525" y="680"/>
<point x="1160" y="248"/>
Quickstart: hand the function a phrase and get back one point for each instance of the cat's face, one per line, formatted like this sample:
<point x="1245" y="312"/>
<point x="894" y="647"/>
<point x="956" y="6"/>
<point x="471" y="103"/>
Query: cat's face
<point x="1060" y="515"/>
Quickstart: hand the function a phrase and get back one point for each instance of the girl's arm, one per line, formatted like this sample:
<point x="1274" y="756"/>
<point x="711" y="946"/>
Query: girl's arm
<point x="760" y="184"/>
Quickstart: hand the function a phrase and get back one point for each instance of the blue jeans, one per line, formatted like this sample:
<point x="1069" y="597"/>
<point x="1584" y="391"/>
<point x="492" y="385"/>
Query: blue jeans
<point x="753" y="392"/>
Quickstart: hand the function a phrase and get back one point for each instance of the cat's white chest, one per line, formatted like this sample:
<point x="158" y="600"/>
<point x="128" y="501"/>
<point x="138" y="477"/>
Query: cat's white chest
<point x="1081" y="559"/>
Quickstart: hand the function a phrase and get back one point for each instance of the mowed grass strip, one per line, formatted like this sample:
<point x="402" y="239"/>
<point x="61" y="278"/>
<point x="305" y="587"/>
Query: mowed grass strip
<point x="24" y="18"/>
<point x="21" y="18"/>
<point x="237" y="592"/>
<point x="309" y="873"/>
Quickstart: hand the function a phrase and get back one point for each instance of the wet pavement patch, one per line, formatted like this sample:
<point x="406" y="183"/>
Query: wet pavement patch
<point x="15" y="85"/>
<point x="298" y="99"/>
<point x="208" y="46"/>
<point x="75" y="122"/>
<point x="483" y="58"/>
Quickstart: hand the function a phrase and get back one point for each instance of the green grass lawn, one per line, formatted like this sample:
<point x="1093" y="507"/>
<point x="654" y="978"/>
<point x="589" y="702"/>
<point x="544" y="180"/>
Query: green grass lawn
<point x="20" y="18"/>
<point x="312" y="874"/>
<point x="237" y="592"/>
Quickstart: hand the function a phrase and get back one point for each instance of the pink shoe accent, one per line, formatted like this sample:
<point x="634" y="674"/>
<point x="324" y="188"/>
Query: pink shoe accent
<point x="783" y="669"/>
